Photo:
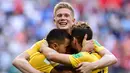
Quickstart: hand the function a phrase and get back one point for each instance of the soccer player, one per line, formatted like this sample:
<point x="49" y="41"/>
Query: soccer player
<point x="78" y="32"/>
<point x="64" y="19"/>
<point x="57" y="39"/>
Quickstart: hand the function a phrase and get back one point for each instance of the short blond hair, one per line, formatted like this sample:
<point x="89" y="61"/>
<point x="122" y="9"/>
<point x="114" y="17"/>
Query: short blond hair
<point x="63" y="5"/>
<point x="81" y="25"/>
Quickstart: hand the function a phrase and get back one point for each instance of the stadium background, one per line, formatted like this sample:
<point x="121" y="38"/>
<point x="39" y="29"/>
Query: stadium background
<point x="23" y="22"/>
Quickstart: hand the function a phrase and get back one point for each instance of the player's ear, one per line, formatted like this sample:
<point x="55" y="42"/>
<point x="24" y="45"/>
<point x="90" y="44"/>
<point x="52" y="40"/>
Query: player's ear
<point x="73" y="20"/>
<point x="74" y="40"/>
<point x="54" y="20"/>
<point x="85" y="37"/>
<point x="77" y="44"/>
<point x="55" y="46"/>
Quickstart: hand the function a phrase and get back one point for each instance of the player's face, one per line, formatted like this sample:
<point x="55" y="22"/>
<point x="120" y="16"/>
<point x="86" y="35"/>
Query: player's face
<point x="76" y="45"/>
<point x="62" y="47"/>
<point x="64" y="19"/>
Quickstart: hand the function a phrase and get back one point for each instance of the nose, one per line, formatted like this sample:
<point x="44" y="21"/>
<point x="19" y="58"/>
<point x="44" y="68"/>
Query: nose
<point x="63" y="17"/>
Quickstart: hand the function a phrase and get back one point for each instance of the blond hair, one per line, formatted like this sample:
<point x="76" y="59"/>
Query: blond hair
<point x="81" y="25"/>
<point x="63" y="5"/>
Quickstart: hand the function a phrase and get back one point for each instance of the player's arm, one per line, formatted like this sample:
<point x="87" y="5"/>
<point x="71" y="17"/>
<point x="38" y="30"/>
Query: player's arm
<point x="107" y="57"/>
<point x="54" y="55"/>
<point x="106" y="60"/>
<point x="21" y="62"/>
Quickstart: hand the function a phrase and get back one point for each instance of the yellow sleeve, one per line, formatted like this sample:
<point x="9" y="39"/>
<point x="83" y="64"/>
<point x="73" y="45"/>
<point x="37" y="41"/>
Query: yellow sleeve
<point x="35" y="48"/>
<point x="39" y="62"/>
<point x="75" y="59"/>
<point x="97" y="46"/>
<point x="74" y="62"/>
<point x="97" y="55"/>
<point x="54" y="63"/>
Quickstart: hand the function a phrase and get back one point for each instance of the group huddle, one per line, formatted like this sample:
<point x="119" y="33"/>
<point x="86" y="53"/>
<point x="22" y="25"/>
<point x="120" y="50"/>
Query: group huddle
<point x="68" y="49"/>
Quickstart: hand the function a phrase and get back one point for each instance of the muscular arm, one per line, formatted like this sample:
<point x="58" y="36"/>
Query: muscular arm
<point x="21" y="62"/>
<point x="107" y="59"/>
<point x="54" y="55"/>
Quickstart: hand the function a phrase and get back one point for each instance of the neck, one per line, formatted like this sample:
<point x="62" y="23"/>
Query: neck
<point x="69" y="31"/>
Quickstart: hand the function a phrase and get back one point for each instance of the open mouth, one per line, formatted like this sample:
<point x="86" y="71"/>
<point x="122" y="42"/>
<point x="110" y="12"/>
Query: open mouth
<point x="63" y="24"/>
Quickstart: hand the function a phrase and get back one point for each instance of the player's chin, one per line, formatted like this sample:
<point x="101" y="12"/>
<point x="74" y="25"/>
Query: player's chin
<point x="65" y="27"/>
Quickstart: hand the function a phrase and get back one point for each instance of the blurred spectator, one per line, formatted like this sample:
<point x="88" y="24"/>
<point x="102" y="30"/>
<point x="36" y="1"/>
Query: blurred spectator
<point x="23" y="22"/>
<point x="125" y="62"/>
<point x="125" y="23"/>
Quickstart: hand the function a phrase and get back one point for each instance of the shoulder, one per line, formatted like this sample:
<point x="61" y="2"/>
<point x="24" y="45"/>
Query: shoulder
<point x="80" y="54"/>
<point x="41" y="41"/>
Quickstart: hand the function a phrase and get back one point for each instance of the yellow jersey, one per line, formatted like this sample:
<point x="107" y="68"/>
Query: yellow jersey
<point x="38" y="60"/>
<point x="75" y="59"/>
<point x="97" y="46"/>
<point x="36" y="47"/>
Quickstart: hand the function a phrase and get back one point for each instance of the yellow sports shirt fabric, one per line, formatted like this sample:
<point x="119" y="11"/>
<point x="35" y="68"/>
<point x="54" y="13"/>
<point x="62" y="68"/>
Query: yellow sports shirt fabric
<point x="86" y="57"/>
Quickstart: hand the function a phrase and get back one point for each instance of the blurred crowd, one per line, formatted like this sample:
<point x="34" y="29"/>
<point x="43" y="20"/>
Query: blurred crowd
<point x="23" y="22"/>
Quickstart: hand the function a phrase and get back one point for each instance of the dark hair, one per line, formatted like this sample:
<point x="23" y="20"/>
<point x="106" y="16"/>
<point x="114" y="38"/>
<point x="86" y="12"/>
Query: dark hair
<point x="58" y="36"/>
<point x="79" y="31"/>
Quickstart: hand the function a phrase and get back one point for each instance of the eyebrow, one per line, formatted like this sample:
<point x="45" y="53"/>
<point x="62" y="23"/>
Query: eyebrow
<point x="63" y="13"/>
